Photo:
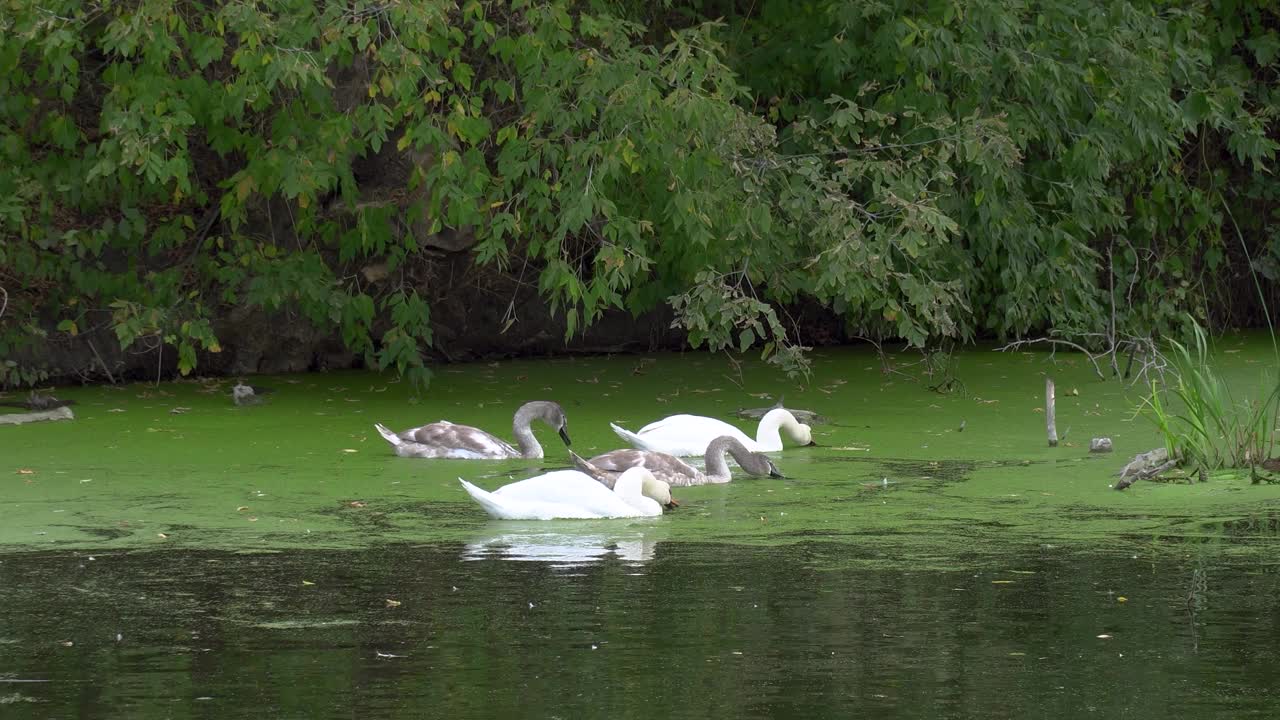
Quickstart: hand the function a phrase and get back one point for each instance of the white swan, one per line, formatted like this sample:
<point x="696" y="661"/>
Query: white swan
<point x="571" y="494"/>
<point x="462" y="442"/>
<point x="686" y="435"/>
<point x="675" y="472"/>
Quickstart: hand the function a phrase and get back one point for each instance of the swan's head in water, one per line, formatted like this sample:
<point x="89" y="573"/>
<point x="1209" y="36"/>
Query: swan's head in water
<point x="660" y="491"/>
<point x="802" y="434"/>
<point x="650" y="486"/>
<point x="756" y="463"/>
<point x="787" y="423"/>
<point x="774" y="472"/>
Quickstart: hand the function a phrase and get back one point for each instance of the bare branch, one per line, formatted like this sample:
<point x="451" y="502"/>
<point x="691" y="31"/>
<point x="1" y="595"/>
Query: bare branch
<point x="105" y="369"/>
<point x="1057" y="341"/>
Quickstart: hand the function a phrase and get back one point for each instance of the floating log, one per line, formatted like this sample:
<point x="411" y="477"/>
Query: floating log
<point x="62" y="413"/>
<point x="1145" y="461"/>
<point x="1145" y="465"/>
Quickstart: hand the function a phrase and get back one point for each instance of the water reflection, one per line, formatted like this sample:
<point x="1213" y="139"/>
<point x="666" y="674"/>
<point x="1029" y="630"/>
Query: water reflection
<point x="562" y="544"/>
<point x="697" y="631"/>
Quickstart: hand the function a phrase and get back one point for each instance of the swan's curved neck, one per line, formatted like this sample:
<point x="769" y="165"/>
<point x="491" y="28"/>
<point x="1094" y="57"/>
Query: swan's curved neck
<point x="767" y="435"/>
<point x="525" y="439"/>
<point x="640" y="491"/>
<point x="717" y="465"/>
<point x="630" y="487"/>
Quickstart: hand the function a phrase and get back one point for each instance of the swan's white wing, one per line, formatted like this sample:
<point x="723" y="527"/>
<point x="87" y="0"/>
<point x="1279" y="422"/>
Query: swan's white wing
<point x="687" y="435"/>
<point x="506" y="507"/>
<point x="568" y="489"/>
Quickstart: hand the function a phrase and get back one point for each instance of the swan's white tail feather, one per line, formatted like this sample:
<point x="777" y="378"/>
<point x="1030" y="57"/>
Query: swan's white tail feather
<point x="388" y="435"/>
<point x="629" y="437"/>
<point x="487" y="501"/>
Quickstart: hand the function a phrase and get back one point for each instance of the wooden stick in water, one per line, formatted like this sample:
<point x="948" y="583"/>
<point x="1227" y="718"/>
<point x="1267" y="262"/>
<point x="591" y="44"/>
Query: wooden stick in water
<point x="1049" y="409"/>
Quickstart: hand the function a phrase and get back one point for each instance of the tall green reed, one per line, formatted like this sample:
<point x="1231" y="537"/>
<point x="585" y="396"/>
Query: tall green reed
<point x="1203" y="425"/>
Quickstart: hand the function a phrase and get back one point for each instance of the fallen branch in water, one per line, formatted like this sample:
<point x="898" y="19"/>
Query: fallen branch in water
<point x="62" y="413"/>
<point x="1056" y="341"/>
<point x="1144" y="474"/>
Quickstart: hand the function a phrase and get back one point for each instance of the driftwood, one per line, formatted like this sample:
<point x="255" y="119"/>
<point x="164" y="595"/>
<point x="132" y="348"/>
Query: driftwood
<point x="1050" y="410"/>
<point x="1145" y="461"/>
<point x="1144" y="474"/>
<point x="1145" y="465"/>
<point x="61" y="413"/>
<point x="37" y="401"/>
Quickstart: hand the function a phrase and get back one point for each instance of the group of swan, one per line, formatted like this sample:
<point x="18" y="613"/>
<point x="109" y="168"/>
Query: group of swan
<point x="620" y="483"/>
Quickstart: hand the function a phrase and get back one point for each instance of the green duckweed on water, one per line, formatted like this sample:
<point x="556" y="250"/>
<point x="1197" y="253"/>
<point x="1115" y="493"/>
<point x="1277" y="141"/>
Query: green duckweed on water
<point x="899" y="471"/>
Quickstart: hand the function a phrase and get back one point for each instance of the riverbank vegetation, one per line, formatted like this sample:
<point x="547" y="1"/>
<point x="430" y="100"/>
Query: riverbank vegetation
<point x="1204" y="424"/>
<point x="923" y="172"/>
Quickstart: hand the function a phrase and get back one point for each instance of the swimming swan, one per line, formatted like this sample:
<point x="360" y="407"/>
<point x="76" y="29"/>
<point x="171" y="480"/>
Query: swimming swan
<point x="685" y="435"/>
<point x="571" y="494"/>
<point x="675" y="472"/>
<point x="462" y="442"/>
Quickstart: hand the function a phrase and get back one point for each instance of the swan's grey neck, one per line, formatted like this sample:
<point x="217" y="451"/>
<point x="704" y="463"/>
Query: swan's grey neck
<point x="544" y="410"/>
<point x="717" y="466"/>
<point x="525" y="440"/>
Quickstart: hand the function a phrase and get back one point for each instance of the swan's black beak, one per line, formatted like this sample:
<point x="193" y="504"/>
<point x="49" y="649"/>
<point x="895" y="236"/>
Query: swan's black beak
<point x="773" y="473"/>
<point x="812" y="443"/>
<point x="564" y="435"/>
<point x="672" y="505"/>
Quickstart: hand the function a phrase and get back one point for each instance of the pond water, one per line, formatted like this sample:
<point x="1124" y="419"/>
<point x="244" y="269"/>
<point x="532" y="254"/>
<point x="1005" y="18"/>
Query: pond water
<point x="931" y="558"/>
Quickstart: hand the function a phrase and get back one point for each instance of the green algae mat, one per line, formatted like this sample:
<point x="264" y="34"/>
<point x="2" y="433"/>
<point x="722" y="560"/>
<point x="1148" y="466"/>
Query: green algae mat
<point x="897" y="466"/>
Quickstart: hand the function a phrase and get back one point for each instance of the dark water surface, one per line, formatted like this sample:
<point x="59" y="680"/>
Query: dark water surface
<point x="543" y="625"/>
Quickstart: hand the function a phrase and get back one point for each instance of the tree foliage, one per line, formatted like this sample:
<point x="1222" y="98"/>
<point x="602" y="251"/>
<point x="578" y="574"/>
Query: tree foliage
<point x="940" y="170"/>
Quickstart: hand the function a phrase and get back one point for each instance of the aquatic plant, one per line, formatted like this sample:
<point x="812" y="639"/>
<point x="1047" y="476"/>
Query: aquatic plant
<point x="1205" y="427"/>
